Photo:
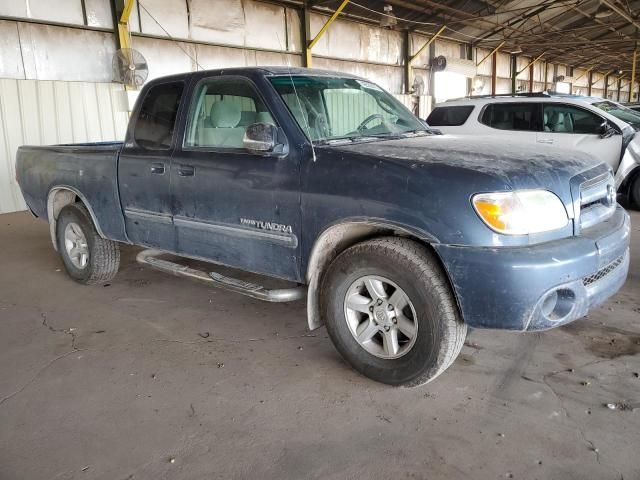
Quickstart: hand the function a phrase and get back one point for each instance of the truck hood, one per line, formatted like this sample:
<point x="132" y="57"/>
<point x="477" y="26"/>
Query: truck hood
<point x="516" y="164"/>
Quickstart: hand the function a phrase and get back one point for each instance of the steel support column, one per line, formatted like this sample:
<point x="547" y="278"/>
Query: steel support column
<point x="633" y="76"/>
<point x="494" y="69"/>
<point x="406" y="57"/>
<point x="514" y="72"/>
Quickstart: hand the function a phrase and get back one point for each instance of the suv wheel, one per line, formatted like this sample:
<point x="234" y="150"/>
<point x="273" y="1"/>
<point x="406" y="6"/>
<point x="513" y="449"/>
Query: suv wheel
<point x="390" y="312"/>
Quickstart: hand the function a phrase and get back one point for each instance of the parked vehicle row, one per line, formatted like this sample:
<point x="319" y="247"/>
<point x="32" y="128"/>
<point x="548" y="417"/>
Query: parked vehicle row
<point x="402" y="238"/>
<point x="595" y="126"/>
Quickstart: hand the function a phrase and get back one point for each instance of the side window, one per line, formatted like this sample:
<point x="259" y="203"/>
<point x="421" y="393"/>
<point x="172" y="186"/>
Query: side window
<point x="157" y="118"/>
<point x="511" y="116"/>
<point x="567" y="119"/>
<point x="221" y="110"/>
<point x="449" y="116"/>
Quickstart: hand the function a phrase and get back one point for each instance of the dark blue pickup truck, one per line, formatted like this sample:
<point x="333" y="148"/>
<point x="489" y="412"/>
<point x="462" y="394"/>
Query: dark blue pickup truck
<point x="399" y="237"/>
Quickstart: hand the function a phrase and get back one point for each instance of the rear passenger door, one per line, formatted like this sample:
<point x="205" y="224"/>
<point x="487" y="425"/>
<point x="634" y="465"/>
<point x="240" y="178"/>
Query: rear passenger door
<point x="230" y="205"/>
<point x="576" y="128"/>
<point x="143" y="169"/>
<point x="518" y="120"/>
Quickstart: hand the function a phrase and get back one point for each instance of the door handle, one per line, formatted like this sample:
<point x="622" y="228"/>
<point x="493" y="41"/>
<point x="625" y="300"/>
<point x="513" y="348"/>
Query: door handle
<point x="545" y="140"/>
<point x="157" y="168"/>
<point x="186" y="171"/>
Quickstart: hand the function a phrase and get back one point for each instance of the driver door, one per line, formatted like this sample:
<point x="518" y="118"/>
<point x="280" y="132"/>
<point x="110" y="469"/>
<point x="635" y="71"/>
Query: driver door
<point x="234" y="206"/>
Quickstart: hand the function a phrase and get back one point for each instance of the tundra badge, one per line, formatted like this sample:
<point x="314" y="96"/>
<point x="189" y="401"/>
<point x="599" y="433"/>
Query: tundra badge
<point x="274" y="227"/>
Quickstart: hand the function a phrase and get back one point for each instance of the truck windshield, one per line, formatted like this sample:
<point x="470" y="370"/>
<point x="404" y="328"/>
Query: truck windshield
<point x="620" y="111"/>
<point x="330" y="109"/>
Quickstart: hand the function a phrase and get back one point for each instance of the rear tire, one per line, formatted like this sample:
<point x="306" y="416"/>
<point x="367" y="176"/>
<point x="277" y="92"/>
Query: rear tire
<point x="88" y="258"/>
<point x="423" y="346"/>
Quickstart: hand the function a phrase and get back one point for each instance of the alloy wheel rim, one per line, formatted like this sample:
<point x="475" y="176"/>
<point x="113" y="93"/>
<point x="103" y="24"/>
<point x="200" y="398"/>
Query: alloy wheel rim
<point x="381" y="317"/>
<point x="76" y="246"/>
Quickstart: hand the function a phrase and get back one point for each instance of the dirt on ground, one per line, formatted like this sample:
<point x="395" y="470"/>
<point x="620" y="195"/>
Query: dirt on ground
<point x="156" y="377"/>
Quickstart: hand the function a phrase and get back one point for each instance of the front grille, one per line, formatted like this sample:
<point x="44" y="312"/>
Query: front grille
<point x="596" y="204"/>
<point x="603" y="272"/>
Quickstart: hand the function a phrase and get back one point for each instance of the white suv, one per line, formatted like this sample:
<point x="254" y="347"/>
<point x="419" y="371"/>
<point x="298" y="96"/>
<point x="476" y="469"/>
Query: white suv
<point x="602" y="128"/>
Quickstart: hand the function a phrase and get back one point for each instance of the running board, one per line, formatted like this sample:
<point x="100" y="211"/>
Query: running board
<point x="150" y="257"/>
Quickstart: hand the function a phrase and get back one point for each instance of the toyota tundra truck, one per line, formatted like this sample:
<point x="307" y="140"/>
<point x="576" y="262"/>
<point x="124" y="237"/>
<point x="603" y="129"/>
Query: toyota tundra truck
<point x="399" y="238"/>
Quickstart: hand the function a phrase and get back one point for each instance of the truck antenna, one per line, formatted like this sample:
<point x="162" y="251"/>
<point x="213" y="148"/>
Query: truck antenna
<point x="305" y="120"/>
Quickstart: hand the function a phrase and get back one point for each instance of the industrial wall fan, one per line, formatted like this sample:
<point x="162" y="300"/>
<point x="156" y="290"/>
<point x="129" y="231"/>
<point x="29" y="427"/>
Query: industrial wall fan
<point x="130" y="67"/>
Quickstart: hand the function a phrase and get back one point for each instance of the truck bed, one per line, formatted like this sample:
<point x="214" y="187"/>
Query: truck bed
<point x="88" y="169"/>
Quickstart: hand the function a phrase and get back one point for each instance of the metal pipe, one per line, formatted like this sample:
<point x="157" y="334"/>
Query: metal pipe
<point x="429" y="42"/>
<point x="495" y="50"/>
<point x="622" y="13"/>
<point x="323" y="30"/>
<point x="531" y="63"/>
<point x="583" y="74"/>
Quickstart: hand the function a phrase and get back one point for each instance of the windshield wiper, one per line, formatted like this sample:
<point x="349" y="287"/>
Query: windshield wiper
<point x="346" y="138"/>
<point x="419" y="132"/>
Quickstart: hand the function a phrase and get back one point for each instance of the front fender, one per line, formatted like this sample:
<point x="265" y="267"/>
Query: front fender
<point x="630" y="161"/>
<point x="338" y="237"/>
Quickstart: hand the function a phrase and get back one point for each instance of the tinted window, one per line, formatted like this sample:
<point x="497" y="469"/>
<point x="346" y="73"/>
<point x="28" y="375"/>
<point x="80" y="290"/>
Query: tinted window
<point x="157" y="118"/>
<point x="632" y="117"/>
<point x="449" y="116"/>
<point x="221" y="111"/>
<point x="512" y="116"/>
<point x="567" y="119"/>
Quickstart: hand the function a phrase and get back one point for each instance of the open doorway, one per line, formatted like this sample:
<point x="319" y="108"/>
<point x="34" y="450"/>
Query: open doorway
<point x="449" y="85"/>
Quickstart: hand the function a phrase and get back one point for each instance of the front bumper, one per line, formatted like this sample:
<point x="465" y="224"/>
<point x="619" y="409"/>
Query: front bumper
<point x="541" y="286"/>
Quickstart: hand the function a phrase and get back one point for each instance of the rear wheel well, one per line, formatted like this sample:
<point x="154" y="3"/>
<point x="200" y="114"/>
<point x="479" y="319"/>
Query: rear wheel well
<point x="333" y="241"/>
<point x="59" y="198"/>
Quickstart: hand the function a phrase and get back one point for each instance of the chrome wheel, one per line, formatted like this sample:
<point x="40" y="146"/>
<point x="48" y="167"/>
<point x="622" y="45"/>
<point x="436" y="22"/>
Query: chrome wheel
<point x="75" y="243"/>
<point x="380" y="317"/>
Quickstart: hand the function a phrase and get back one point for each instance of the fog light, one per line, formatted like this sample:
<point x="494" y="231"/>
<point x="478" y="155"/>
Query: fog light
<point x="558" y="304"/>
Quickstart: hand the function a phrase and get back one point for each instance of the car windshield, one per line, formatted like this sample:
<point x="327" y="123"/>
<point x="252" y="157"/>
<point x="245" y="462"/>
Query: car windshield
<point x="332" y="109"/>
<point x="621" y="112"/>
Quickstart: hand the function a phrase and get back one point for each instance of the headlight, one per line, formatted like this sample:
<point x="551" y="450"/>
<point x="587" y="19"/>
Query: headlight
<point x="521" y="212"/>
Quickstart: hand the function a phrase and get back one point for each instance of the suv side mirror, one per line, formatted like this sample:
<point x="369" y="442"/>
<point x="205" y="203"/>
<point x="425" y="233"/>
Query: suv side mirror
<point x="606" y="130"/>
<point x="261" y="137"/>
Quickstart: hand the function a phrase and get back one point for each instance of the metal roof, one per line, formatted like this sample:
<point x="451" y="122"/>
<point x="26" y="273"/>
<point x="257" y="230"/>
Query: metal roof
<point x="565" y="31"/>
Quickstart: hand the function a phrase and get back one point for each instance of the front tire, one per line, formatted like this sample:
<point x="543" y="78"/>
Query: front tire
<point x="390" y="311"/>
<point x="88" y="258"/>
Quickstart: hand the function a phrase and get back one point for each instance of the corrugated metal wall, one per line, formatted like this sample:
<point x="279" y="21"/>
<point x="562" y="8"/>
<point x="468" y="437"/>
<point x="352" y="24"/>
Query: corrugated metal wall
<point x="38" y="112"/>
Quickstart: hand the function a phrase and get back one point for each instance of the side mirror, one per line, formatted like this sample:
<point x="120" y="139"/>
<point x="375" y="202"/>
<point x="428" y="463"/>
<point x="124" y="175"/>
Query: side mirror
<point x="606" y="130"/>
<point x="260" y="137"/>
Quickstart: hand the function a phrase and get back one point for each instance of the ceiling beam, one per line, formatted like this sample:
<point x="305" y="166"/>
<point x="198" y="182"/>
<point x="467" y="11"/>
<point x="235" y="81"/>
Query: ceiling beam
<point x="622" y="13"/>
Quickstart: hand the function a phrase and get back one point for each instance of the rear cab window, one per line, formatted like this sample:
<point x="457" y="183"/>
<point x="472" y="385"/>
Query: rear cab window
<point x="155" y="125"/>
<point x="523" y="116"/>
<point x="452" y="116"/>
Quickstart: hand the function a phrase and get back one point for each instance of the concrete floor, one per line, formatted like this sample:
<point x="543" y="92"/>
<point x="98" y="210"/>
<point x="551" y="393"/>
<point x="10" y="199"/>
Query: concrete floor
<point x="118" y="382"/>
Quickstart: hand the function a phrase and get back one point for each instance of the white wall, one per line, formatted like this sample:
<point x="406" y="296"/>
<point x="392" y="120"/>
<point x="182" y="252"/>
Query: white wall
<point x="36" y="112"/>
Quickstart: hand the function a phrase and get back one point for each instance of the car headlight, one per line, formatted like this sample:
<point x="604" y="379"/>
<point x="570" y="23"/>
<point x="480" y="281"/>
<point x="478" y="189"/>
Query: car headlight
<point x="521" y="212"/>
